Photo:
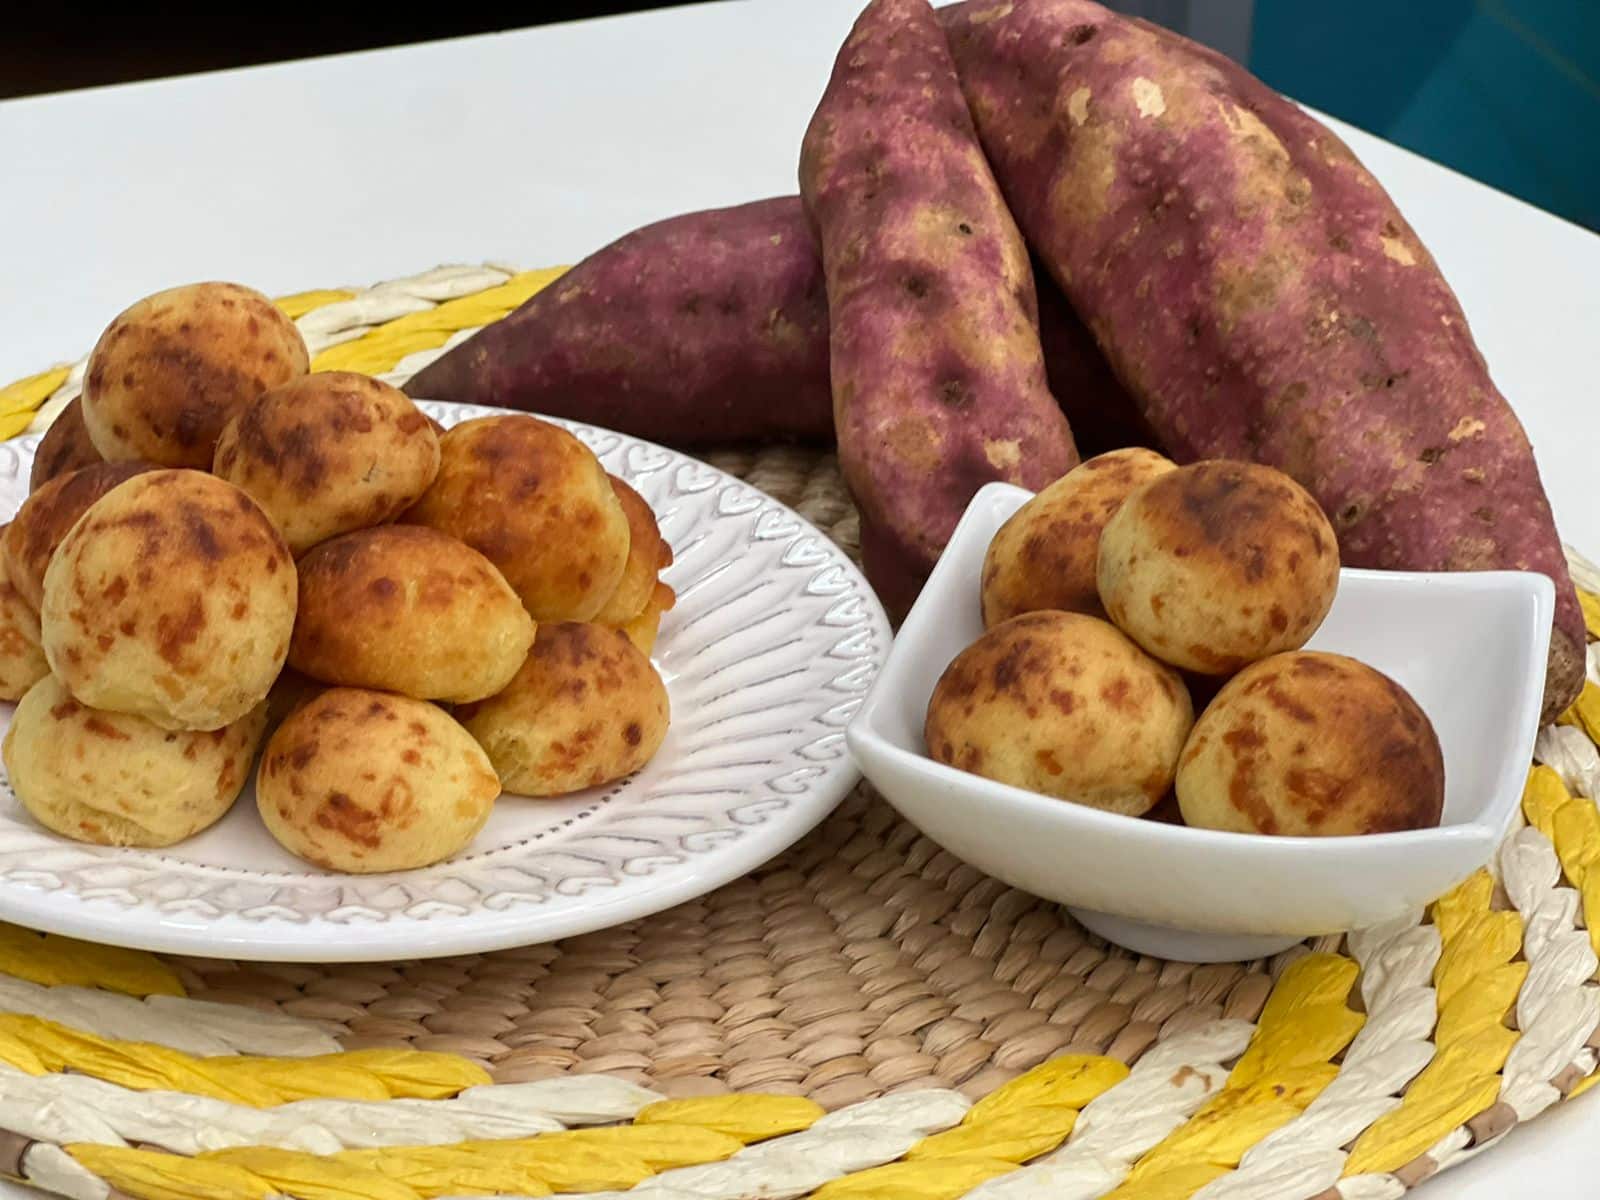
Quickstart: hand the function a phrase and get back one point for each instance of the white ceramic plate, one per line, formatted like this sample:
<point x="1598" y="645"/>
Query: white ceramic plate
<point x="774" y="642"/>
<point x="1469" y="647"/>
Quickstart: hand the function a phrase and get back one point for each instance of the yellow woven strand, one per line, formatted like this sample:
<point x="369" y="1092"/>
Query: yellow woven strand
<point x="1017" y="1136"/>
<point x="1572" y="824"/>
<point x="14" y="1052"/>
<point x="1175" y="1183"/>
<point x="1590" y="603"/>
<point x="52" y="960"/>
<point x="1543" y="796"/>
<point x="245" y="1079"/>
<point x="26" y="395"/>
<point x="748" y="1118"/>
<point x="381" y="348"/>
<point x="1481" y="1006"/>
<point x="154" y="1175"/>
<point x="1070" y="1081"/>
<point x="1464" y="1077"/>
<point x="444" y="1171"/>
<point x="299" y="304"/>
<point x="1585" y="711"/>
<point x="661" y="1147"/>
<point x="1307" y="1021"/>
<point x="565" y="1164"/>
<point x="311" y="1176"/>
<point x="930" y="1179"/>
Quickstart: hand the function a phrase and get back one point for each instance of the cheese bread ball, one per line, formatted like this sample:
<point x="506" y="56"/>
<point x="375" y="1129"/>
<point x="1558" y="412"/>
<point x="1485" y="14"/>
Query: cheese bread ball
<point x="49" y="514"/>
<point x="167" y="374"/>
<point x="289" y="692"/>
<point x="172" y="599"/>
<point x="118" y="780"/>
<point x="644" y="629"/>
<point x="407" y="609"/>
<point x="22" y="661"/>
<point x="64" y="447"/>
<point x="1312" y="745"/>
<point x="638" y="580"/>
<point x="586" y="709"/>
<point x="1066" y="705"/>
<point x="365" y="781"/>
<point x="1046" y="555"/>
<point x="1218" y="564"/>
<point x="328" y="453"/>
<point x="538" y="504"/>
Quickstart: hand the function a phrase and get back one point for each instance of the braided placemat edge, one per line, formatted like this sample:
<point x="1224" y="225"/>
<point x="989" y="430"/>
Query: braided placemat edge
<point x="1377" y="1060"/>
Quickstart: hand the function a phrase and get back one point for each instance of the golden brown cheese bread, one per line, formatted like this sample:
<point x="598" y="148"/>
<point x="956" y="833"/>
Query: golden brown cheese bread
<point x="172" y="599"/>
<point x="289" y="692"/>
<point x="1314" y="745"/>
<point x="1045" y="556"/>
<point x="365" y="781"/>
<point x="587" y="708"/>
<point x="404" y="608"/>
<point x="536" y="502"/>
<point x="644" y="629"/>
<point x="1065" y="705"/>
<point x="48" y="514"/>
<point x="638" y="580"/>
<point x="1218" y="564"/>
<point x="327" y="453"/>
<point x="167" y="374"/>
<point x="118" y="780"/>
<point x="64" y="447"/>
<point x="22" y="661"/>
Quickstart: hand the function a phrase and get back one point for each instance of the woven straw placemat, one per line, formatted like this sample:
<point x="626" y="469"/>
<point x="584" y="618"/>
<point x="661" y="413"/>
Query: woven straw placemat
<point x="962" y="1038"/>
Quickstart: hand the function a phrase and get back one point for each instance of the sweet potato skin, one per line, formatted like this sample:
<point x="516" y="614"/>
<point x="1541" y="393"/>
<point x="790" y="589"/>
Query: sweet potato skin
<point x="703" y="328"/>
<point x="938" y="378"/>
<point x="773" y="386"/>
<point x="1257" y="291"/>
<point x="1102" y="415"/>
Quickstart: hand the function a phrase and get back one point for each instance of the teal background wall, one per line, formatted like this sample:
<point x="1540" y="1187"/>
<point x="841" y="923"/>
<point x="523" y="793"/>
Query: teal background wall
<point x="1506" y="91"/>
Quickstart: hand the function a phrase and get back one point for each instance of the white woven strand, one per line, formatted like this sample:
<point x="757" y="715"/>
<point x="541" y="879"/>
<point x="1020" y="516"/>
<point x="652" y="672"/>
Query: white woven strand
<point x="1371" y="1187"/>
<point x="52" y="1169"/>
<point x="853" y="1139"/>
<point x="193" y="1026"/>
<point x="30" y="1112"/>
<point x="1306" y="1155"/>
<point x="1118" y="1127"/>
<point x="1584" y="573"/>
<point x="69" y="1108"/>
<point x="1567" y="751"/>
<point x="249" y="1030"/>
<point x="417" y="359"/>
<point x="1557" y="1008"/>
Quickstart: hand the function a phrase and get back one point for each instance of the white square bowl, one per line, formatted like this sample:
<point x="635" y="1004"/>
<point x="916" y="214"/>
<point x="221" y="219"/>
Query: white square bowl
<point x="1470" y="647"/>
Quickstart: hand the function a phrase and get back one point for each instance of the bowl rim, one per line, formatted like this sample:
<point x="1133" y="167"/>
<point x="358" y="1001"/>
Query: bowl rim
<point x="867" y="741"/>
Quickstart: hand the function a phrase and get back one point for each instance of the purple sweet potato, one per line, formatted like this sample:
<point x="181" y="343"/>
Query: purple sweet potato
<point x="938" y="379"/>
<point x="709" y="327"/>
<point x="1101" y="413"/>
<point x="1257" y="291"/>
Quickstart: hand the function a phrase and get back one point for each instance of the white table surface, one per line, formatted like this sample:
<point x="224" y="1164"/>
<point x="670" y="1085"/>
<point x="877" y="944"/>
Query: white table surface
<point x="536" y="147"/>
